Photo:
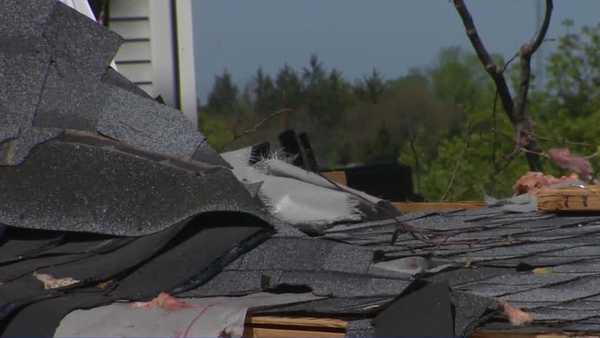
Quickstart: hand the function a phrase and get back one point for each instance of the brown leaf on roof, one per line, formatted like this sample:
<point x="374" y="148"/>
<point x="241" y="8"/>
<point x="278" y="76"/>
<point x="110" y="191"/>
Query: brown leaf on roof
<point x="54" y="283"/>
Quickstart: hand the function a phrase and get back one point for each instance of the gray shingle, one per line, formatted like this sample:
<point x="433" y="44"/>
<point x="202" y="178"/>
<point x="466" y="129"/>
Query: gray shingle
<point x="22" y="76"/>
<point x="230" y="283"/>
<point x="16" y="151"/>
<point x="330" y="284"/>
<point x="147" y="124"/>
<point x="24" y="19"/>
<point x="341" y="306"/>
<point x="563" y="315"/>
<point x="94" y="189"/>
<point x="79" y="44"/>
<point x="578" y="289"/>
<point x="205" y="153"/>
<point x="299" y="254"/>
<point x="70" y="101"/>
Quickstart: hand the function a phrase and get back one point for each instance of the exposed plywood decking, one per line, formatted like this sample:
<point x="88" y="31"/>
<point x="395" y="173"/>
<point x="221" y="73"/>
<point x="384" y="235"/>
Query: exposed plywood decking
<point x="336" y="176"/>
<point x="331" y="323"/>
<point x="294" y="327"/>
<point x="573" y="199"/>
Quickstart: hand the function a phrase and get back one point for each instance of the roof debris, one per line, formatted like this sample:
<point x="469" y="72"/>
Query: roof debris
<point x="163" y="301"/>
<point x="121" y="194"/>
<point x="54" y="283"/>
<point x="532" y="182"/>
<point x="516" y="317"/>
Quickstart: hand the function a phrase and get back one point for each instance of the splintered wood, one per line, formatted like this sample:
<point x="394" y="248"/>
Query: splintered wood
<point x="572" y="199"/>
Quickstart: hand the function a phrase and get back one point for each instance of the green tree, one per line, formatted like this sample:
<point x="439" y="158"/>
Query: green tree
<point x="265" y="95"/>
<point x="223" y="98"/>
<point x="574" y="70"/>
<point x="289" y="90"/>
<point x="370" y="88"/>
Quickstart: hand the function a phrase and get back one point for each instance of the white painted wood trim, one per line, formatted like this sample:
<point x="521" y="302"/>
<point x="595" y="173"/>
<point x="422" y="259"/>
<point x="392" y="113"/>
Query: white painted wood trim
<point x="188" y="95"/>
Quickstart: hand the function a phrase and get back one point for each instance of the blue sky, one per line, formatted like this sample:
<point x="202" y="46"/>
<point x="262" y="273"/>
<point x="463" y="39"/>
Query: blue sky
<point x="356" y="35"/>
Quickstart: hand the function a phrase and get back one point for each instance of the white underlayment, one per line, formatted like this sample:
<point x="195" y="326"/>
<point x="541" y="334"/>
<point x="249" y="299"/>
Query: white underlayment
<point x="294" y="195"/>
<point x="208" y="317"/>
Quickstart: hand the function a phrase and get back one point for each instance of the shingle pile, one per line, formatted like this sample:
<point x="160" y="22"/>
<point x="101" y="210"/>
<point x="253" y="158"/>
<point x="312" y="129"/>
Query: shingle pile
<point x="545" y="264"/>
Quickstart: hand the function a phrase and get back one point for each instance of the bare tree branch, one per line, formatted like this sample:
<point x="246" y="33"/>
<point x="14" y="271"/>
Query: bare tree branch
<point x="527" y="50"/>
<point x="523" y="120"/>
<point x="515" y="109"/>
<point x="486" y="59"/>
<point x="541" y="36"/>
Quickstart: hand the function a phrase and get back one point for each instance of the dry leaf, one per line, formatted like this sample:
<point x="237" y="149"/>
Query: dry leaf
<point x="542" y="271"/>
<point x="54" y="283"/>
<point x="515" y="316"/>
<point x="104" y="285"/>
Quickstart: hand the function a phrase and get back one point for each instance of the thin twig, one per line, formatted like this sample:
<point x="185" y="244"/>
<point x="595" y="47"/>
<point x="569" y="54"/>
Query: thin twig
<point x="564" y="141"/>
<point x="259" y="124"/>
<point x="507" y="63"/>
<point x="459" y="161"/>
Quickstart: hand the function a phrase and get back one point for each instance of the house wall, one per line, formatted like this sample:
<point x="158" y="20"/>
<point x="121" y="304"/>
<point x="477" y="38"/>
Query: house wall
<point x="157" y="53"/>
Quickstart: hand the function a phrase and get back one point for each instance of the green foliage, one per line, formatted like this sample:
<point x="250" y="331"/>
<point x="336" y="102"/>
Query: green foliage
<point x="442" y="120"/>
<point x="575" y="70"/>
<point x="224" y="95"/>
<point x="370" y="88"/>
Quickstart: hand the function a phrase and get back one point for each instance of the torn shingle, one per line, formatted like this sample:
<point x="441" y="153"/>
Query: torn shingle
<point x="298" y="254"/>
<point x="103" y="190"/>
<point x="424" y="312"/>
<point x="205" y="153"/>
<point x="579" y="289"/>
<point x="24" y="18"/>
<point x="79" y="44"/>
<point x="341" y="306"/>
<point x="70" y="102"/>
<point x="468" y="311"/>
<point x="147" y="124"/>
<point x="342" y="285"/>
<point x="114" y="78"/>
<point x="14" y="152"/>
<point x="22" y="78"/>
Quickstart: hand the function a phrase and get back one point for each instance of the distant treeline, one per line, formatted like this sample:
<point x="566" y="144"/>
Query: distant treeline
<point x="443" y="120"/>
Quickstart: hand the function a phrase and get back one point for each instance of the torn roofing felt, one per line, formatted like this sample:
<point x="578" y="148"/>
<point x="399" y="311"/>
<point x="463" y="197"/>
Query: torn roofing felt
<point x="138" y="269"/>
<point x="296" y="196"/>
<point x="219" y="315"/>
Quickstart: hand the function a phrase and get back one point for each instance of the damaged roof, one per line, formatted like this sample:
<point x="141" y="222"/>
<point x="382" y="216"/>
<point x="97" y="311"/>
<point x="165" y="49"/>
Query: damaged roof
<point x="107" y="195"/>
